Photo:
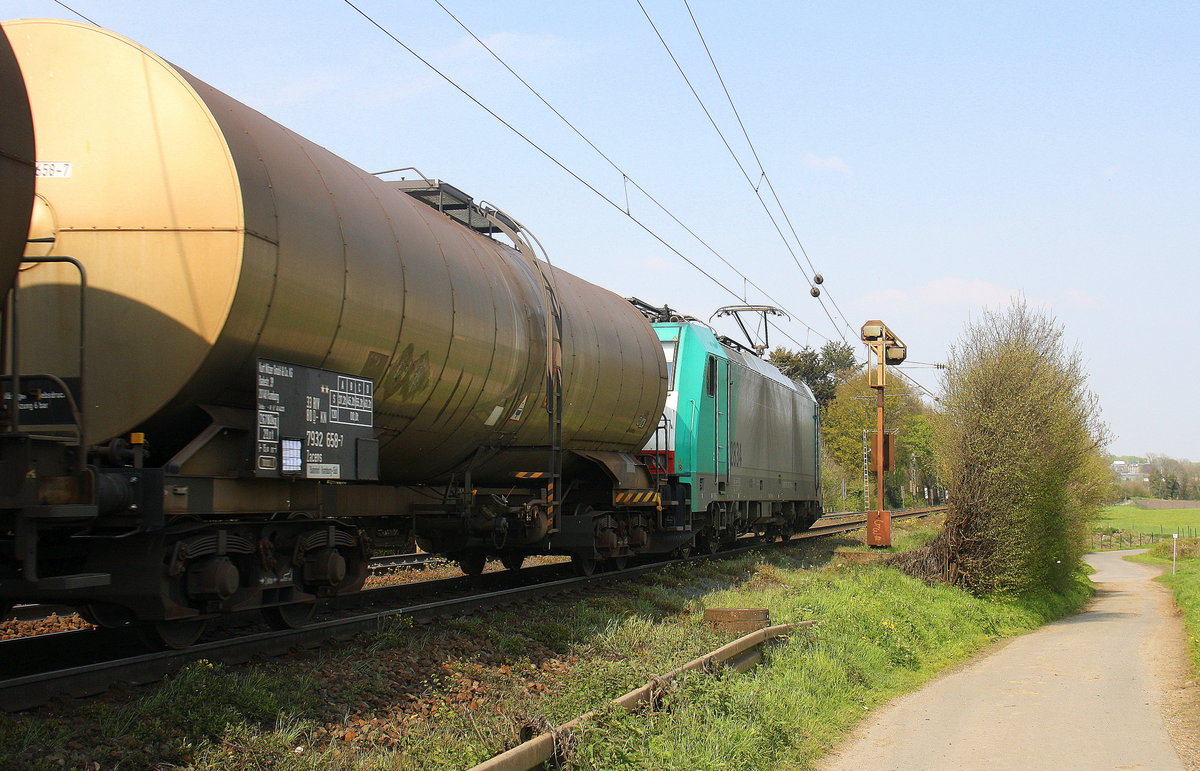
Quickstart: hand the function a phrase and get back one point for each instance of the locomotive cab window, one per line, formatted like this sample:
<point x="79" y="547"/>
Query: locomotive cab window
<point x="710" y="376"/>
<point x="669" y="348"/>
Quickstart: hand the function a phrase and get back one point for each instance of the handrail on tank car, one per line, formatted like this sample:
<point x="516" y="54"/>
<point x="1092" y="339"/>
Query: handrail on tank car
<point x="11" y="341"/>
<point x="524" y="240"/>
<point x="427" y="180"/>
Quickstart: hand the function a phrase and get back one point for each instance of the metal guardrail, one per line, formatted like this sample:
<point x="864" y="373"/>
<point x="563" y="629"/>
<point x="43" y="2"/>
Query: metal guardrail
<point x="739" y="655"/>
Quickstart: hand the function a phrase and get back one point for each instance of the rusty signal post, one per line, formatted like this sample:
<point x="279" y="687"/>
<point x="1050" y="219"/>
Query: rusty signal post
<point x="886" y="348"/>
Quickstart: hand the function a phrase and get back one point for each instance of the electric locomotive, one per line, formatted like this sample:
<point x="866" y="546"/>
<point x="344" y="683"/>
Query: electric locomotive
<point x="738" y="439"/>
<point x="235" y="365"/>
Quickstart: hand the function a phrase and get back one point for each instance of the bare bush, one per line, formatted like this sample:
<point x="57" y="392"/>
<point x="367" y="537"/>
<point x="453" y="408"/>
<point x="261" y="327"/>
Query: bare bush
<point x="1019" y="441"/>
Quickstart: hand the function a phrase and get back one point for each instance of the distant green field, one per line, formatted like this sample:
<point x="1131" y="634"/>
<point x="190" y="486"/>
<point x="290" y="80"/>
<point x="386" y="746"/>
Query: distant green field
<point x="1151" y="520"/>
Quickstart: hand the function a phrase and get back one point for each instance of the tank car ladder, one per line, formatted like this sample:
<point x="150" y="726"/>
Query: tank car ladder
<point x="487" y="220"/>
<point x="71" y="433"/>
<point x="30" y="516"/>
<point x="554" y="408"/>
<point x="519" y="234"/>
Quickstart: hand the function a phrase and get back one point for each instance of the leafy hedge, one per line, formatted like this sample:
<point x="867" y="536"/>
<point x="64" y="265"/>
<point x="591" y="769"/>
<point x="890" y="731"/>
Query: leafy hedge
<point x="1020" y="442"/>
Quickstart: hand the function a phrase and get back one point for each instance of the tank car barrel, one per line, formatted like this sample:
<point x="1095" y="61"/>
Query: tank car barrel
<point x="233" y="239"/>
<point x="283" y="362"/>
<point x="274" y="349"/>
<point x="17" y="167"/>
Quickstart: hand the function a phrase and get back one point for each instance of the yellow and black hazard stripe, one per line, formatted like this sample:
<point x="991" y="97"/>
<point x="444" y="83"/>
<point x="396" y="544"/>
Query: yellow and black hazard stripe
<point x="531" y="474"/>
<point x="636" y="497"/>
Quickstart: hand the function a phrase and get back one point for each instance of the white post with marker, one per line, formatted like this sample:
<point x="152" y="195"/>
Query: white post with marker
<point x="1174" y="548"/>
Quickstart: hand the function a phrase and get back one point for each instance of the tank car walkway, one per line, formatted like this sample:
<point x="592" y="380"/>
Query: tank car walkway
<point x="1107" y="688"/>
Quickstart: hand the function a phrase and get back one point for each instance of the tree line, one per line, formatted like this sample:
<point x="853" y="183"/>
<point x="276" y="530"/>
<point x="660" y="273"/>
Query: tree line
<point x="848" y="423"/>
<point x="1171" y="479"/>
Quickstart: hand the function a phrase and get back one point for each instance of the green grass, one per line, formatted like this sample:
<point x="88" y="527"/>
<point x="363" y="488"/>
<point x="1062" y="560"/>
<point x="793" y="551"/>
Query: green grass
<point x="879" y="634"/>
<point x="482" y="678"/>
<point x="907" y="534"/>
<point x="198" y="703"/>
<point x="1186" y="585"/>
<point x="1150" y="521"/>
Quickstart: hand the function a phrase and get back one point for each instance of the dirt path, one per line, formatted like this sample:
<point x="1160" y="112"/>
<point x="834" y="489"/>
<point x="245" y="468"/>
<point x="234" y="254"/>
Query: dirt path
<point x="1107" y="688"/>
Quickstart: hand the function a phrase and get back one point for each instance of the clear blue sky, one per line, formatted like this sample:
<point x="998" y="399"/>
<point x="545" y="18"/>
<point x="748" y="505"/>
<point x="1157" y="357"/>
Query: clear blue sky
<point x="935" y="158"/>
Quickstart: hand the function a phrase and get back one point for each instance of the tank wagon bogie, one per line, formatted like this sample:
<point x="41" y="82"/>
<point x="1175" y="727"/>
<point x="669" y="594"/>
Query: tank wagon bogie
<point x="242" y="364"/>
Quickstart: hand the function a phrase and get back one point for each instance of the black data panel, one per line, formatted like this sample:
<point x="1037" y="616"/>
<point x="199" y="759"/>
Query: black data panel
<point x="314" y="424"/>
<point x="44" y="401"/>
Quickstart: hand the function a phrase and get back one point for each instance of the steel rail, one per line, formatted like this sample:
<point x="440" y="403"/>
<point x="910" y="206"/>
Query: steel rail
<point x="739" y="655"/>
<point x="28" y="691"/>
<point x="402" y="561"/>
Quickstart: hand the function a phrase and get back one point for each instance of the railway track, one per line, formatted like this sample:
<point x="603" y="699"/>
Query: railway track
<point x="86" y="662"/>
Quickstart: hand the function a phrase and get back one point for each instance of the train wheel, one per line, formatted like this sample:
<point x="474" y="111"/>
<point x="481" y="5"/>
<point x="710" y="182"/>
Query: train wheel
<point x="584" y="566"/>
<point x="171" y="635"/>
<point x="619" y="563"/>
<point x="512" y="561"/>
<point x="291" y="616"/>
<point x="472" y="563"/>
<point x="103" y="614"/>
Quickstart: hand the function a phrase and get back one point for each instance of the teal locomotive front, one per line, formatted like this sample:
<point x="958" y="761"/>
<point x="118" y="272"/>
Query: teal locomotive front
<point x="738" y="439"/>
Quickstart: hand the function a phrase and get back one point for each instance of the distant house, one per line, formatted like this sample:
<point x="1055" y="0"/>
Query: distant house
<point x="1131" y="472"/>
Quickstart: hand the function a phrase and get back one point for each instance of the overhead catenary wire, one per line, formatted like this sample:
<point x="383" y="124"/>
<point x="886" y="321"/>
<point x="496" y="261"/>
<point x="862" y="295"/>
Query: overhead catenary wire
<point x="762" y="172"/>
<point x="928" y="393"/>
<point x="534" y="145"/>
<point x="626" y="178"/>
<point x="761" y="168"/>
<point x="77" y="13"/>
<point x="741" y="167"/>
<point x="563" y="166"/>
<point x="568" y="170"/>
